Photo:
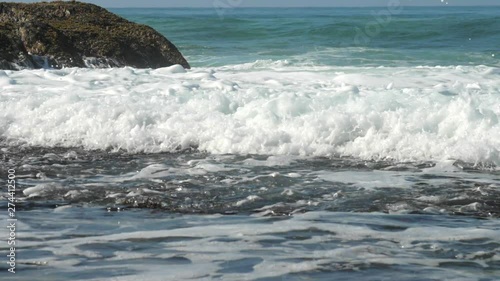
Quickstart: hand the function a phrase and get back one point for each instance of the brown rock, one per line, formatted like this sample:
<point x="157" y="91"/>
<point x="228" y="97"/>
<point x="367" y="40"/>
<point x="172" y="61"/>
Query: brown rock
<point x="64" y="34"/>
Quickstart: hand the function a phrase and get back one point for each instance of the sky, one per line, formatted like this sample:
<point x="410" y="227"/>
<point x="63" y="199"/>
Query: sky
<point x="280" y="3"/>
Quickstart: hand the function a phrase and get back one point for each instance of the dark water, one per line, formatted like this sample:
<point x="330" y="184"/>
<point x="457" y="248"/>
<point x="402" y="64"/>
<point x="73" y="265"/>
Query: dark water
<point x="200" y="183"/>
<point x="96" y="215"/>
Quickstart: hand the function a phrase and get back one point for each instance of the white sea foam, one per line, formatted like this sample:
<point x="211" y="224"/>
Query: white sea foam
<point x="42" y="189"/>
<point x="404" y="113"/>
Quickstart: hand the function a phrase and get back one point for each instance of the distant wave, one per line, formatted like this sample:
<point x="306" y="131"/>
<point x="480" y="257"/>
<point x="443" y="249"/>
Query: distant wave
<point x="415" y="37"/>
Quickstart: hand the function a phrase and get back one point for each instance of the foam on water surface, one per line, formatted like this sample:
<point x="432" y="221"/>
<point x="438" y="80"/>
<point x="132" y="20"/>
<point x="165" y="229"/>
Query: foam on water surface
<point x="315" y="244"/>
<point x="401" y="113"/>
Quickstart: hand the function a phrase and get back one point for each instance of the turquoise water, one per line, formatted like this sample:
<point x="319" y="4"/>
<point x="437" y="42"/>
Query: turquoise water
<point x="296" y="148"/>
<point x="331" y="36"/>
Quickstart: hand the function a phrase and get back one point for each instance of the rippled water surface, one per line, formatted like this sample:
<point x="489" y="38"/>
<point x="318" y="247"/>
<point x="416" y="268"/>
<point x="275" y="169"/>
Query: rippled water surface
<point x="95" y="215"/>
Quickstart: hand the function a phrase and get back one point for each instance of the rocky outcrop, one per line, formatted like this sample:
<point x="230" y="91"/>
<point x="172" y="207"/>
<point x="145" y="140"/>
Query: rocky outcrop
<point x="74" y="34"/>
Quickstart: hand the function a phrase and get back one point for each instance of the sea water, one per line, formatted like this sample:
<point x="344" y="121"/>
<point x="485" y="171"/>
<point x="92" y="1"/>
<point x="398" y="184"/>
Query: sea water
<point x="304" y="144"/>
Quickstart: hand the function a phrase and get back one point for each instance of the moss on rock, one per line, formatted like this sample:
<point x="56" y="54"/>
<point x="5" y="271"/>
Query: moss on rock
<point x="66" y="32"/>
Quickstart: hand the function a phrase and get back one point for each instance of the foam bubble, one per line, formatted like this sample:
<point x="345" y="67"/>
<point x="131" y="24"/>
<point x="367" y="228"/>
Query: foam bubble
<point x="42" y="189"/>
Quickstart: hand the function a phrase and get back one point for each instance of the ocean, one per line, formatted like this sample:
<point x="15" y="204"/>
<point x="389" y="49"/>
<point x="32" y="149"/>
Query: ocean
<point x="304" y="144"/>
